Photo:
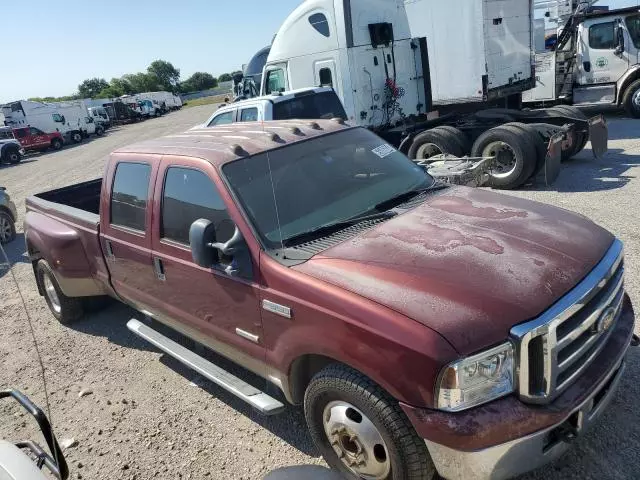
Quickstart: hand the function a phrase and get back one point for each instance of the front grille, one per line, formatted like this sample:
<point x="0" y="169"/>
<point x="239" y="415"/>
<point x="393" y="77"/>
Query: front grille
<point x="558" y="345"/>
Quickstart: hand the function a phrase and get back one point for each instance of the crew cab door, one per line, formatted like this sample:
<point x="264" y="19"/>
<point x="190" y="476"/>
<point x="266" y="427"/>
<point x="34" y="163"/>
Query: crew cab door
<point x="207" y="304"/>
<point x="125" y="232"/>
<point x="38" y="138"/>
<point x="601" y="58"/>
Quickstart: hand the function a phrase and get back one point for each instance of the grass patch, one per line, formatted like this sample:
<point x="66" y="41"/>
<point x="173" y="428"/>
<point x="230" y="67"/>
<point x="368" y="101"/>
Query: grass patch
<point x="207" y="100"/>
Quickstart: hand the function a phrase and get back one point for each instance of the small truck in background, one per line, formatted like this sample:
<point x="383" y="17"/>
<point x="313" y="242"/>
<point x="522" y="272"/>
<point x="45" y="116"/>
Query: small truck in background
<point x="424" y="327"/>
<point x="34" y="139"/>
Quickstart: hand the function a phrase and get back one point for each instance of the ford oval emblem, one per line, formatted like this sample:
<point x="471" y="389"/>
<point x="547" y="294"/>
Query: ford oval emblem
<point x="606" y="320"/>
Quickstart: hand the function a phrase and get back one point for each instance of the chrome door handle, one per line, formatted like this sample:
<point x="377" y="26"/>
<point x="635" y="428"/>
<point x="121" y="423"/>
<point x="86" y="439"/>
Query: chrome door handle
<point x="158" y="266"/>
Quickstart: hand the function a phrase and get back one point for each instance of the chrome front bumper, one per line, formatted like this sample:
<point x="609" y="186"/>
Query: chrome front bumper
<point x="528" y="453"/>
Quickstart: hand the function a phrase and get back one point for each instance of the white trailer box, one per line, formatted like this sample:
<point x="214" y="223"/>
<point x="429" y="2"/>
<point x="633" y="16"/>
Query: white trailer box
<point x="476" y="47"/>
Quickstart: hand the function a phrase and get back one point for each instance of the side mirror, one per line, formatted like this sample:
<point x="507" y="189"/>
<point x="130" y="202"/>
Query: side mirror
<point x="201" y="234"/>
<point x="206" y="251"/>
<point x="619" y="40"/>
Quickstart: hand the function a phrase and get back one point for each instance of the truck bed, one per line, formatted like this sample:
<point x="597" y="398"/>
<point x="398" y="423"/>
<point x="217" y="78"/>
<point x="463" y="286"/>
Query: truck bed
<point x="83" y="196"/>
<point x="63" y="227"/>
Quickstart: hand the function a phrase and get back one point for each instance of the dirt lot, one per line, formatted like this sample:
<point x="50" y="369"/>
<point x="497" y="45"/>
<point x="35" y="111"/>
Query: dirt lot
<point x="148" y="417"/>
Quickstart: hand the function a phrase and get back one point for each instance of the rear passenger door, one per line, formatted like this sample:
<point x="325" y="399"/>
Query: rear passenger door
<point x="224" y="118"/>
<point x="207" y="304"/>
<point x="124" y="227"/>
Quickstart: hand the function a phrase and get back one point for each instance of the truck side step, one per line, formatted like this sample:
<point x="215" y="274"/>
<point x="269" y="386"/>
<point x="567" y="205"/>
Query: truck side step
<point x="262" y="402"/>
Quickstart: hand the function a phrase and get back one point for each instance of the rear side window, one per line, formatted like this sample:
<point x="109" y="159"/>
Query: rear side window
<point x="324" y="105"/>
<point x="21" y="133"/>
<point x="249" y="115"/>
<point x="222" y="119"/>
<point x="602" y="36"/>
<point x="129" y="195"/>
<point x="190" y="195"/>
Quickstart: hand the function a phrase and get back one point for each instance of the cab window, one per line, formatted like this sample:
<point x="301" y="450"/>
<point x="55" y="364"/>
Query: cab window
<point x="129" y="195"/>
<point x="276" y="81"/>
<point x="602" y="36"/>
<point x="633" y="26"/>
<point x="249" y="115"/>
<point x="190" y="195"/>
<point x="222" y="119"/>
<point x="35" y="131"/>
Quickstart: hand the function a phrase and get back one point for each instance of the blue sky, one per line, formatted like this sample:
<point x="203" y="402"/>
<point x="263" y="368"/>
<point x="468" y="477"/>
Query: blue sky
<point x="51" y="47"/>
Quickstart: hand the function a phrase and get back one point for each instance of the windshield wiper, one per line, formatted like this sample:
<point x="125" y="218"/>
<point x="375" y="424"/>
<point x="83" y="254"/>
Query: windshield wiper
<point x="329" y="228"/>
<point x="406" y="196"/>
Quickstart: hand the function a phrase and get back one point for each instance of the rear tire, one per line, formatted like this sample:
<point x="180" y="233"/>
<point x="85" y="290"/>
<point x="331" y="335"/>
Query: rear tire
<point x="7" y="227"/>
<point x="515" y="155"/>
<point x="458" y="136"/>
<point x="373" y="430"/>
<point x="631" y="99"/>
<point x="65" y="309"/>
<point x="537" y="142"/>
<point x="56" y="144"/>
<point x="433" y="142"/>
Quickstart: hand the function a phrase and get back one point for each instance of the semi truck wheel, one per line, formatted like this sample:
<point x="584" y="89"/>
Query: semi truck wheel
<point x="514" y="153"/>
<point x="56" y="144"/>
<point x="361" y="431"/>
<point x="65" y="309"/>
<point x="631" y="99"/>
<point x="537" y="141"/>
<point x="581" y="138"/>
<point x="431" y="143"/>
<point x="458" y="136"/>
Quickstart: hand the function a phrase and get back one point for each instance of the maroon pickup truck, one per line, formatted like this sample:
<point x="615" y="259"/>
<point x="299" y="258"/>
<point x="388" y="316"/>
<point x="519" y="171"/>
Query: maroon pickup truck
<point x="423" y="326"/>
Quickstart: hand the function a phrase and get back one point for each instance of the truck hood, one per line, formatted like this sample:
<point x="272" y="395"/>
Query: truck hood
<point x="467" y="263"/>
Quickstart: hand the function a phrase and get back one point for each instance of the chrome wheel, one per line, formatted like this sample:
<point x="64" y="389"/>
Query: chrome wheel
<point x="52" y="294"/>
<point x="356" y="441"/>
<point x="636" y="99"/>
<point x="428" y="150"/>
<point x="6" y="229"/>
<point x="505" y="159"/>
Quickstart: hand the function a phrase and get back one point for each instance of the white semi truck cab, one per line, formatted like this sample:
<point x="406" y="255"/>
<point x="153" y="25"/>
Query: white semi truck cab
<point x="424" y="74"/>
<point x="593" y="59"/>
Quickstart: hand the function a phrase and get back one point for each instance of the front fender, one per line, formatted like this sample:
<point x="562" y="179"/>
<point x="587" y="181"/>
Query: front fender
<point x="630" y="75"/>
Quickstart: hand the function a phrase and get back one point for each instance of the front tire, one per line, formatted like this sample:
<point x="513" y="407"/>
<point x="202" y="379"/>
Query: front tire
<point x="56" y="144"/>
<point x="361" y="431"/>
<point x="76" y="137"/>
<point x="65" y="309"/>
<point x="12" y="156"/>
<point x="631" y="99"/>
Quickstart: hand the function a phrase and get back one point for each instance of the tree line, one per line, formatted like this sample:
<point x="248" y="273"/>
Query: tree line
<point x="160" y="76"/>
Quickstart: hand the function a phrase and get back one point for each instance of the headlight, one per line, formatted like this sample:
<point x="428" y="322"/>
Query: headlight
<point x="476" y="380"/>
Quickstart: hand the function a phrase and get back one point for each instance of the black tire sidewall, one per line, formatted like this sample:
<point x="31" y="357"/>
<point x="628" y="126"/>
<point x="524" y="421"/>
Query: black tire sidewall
<point x="519" y="148"/>
<point x="70" y="308"/>
<point x="458" y="136"/>
<point x="12" y="224"/>
<point x="632" y="109"/>
<point x="16" y="159"/>
<point x="56" y="144"/>
<point x="323" y="390"/>
<point x="436" y="137"/>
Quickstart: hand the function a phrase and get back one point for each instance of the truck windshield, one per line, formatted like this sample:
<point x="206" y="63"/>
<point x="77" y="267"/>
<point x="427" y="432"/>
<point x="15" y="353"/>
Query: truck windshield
<point x="320" y="182"/>
<point x="318" y="105"/>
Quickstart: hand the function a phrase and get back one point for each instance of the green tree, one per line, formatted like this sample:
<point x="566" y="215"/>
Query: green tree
<point x="199" y="81"/>
<point x="143" y="82"/>
<point x="225" y="77"/>
<point x="167" y="74"/>
<point x="91" y="87"/>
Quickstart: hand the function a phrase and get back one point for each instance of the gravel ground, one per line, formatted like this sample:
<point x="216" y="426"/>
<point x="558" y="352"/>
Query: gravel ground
<point x="137" y="414"/>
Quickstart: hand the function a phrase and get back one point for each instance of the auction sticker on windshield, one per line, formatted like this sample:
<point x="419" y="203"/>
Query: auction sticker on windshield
<point x="384" y="150"/>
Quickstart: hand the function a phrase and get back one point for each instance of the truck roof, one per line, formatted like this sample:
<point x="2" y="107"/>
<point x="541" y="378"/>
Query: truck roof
<point x="223" y="144"/>
<point x="617" y="11"/>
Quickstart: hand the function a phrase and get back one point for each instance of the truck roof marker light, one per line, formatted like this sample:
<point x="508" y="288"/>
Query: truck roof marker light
<point x="314" y="126"/>
<point x="238" y="150"/>
<point x="338" y="120"/>
<point x="296" y="131"/>
<point x="276" y="138"/>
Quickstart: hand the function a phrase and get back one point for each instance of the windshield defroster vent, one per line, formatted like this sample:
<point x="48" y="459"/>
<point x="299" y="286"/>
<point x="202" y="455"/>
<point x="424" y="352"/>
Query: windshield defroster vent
<point x="318" y="245"/>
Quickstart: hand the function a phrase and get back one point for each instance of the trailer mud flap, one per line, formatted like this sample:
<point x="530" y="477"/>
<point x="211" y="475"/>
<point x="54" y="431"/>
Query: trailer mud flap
<point x="552" y="162"/>
<point x="599" y="136"/>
